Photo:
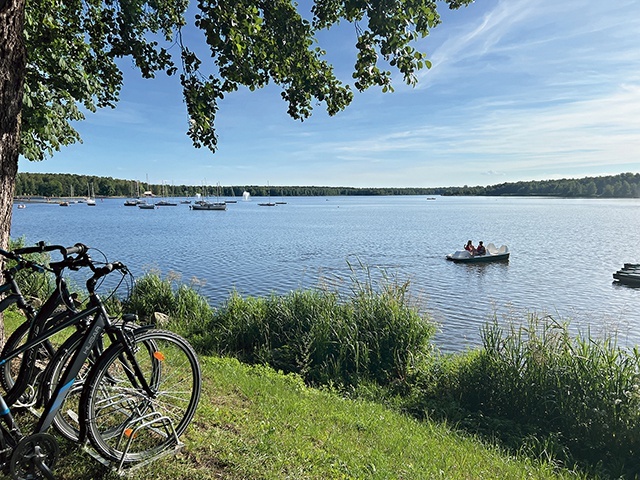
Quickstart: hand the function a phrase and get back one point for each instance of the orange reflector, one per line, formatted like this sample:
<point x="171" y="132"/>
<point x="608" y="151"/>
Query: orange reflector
<point x="158" y="356"/>
<point x="128" y="432"/>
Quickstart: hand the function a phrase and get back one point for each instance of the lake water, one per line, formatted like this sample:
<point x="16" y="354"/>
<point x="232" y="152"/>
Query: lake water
<point x="563" y="251"/>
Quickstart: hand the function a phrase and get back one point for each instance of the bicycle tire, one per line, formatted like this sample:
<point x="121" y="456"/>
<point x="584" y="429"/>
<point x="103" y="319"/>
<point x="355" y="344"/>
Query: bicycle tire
<point x="116" y="410"/>
<point x="10" y="370"/>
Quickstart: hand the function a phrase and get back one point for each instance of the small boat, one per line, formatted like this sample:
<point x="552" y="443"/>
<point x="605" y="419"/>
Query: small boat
<point x="164" y="202"/>
<point x="203" y="205"/>
<point x="64" y="204"/>
<point x="22" y="205"/>
<point x="493" y="255"/>
<point x="146" y="206"/>
<point x="207" y="205"/>
<point x="233" y="197"/>
<point x="629" y="275"/>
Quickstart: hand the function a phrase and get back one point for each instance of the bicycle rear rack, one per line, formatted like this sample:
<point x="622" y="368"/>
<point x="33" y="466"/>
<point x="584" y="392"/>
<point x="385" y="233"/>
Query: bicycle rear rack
<point x="154" y="421"/>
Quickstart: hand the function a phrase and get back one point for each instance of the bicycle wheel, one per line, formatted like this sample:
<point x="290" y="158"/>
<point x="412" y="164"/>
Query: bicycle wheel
<point x="124" y="422"/>
<point x="10" y="370"/>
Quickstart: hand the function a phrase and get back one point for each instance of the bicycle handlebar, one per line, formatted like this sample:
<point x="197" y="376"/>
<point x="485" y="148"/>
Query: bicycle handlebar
<point x="98" y="273"/>
<point x="41" y="247"/>
<point x="80" y="260"/>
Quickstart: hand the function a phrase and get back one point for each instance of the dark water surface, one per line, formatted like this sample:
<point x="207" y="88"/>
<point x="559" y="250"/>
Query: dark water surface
<point x="564" y="251"/>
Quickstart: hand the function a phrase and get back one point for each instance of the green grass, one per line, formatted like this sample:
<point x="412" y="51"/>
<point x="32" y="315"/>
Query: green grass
<point x="254" y="423"/>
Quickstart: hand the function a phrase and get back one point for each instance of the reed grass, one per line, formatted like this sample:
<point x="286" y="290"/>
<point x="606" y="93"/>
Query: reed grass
<point x="535" y="387"/>
<point x="328" y="339"/>
<point x="185" y="307"/>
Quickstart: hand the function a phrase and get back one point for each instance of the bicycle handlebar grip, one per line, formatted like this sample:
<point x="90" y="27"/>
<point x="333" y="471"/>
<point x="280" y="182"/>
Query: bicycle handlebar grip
<point x="38" y="248"/>
<point x="6" y="254"/>
<point x="77" y="248"/>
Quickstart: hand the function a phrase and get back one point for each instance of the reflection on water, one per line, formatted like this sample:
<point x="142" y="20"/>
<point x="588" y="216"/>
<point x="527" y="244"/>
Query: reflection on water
<point x="563" y="252"/>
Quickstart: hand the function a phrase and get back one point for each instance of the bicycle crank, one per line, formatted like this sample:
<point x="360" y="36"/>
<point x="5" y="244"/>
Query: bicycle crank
<point x="34" y="457"/>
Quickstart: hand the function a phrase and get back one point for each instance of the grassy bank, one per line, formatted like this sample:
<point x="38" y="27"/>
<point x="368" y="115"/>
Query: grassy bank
<point x="254" y="423"/>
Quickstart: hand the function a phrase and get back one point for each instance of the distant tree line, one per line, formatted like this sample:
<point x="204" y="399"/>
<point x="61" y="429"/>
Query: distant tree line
<point x="625" y="185"/>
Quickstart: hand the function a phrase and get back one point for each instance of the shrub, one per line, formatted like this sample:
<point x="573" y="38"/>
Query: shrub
<point x="186" y="308"/>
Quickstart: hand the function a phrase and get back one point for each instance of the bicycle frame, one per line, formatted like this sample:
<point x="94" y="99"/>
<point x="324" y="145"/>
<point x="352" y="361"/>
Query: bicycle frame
<point x="93" y="334"/>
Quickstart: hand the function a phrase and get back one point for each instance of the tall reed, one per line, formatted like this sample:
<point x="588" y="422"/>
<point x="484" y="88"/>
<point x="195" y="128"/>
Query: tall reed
<point x="573" y="397"/>
<point x="327" y="337"/>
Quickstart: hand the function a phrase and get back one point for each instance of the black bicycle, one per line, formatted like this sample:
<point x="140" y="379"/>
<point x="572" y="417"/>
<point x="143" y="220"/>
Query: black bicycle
<point x="136" y="399"/>
<point x="59" y="305"/>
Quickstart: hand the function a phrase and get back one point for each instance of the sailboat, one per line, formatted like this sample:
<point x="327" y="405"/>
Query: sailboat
<point x="132" y="202"/>
<point x="91" y="201"/>
<point x="269" y="203"/>
<point x="207" y="205"/>
<point x="281" y="202"/>
<point x="233" y="197"/>
<point x="164" y="202"/>
<point x="143" y="204"/>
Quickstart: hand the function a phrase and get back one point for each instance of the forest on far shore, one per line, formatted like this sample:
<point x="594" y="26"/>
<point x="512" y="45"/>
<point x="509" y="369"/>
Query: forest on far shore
<point x="624" y="185"/>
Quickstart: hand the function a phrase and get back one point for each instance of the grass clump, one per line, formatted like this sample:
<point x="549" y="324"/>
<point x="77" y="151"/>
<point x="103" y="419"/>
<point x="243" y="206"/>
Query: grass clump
<point x="323" y="337"/>
<point x="185" y="307"/>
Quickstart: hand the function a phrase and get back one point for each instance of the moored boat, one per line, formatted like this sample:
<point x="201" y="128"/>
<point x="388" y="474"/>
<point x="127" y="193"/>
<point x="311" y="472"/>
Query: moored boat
<point x="203" y="205"/>
<point x="493" y="254"/>
<point x="629" y="275"/>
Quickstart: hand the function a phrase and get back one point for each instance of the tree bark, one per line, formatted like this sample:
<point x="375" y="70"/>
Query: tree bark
<point x="12" y="73"/>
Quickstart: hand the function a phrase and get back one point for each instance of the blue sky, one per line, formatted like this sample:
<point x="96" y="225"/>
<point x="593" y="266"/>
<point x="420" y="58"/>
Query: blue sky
<point x="518" y="90"/>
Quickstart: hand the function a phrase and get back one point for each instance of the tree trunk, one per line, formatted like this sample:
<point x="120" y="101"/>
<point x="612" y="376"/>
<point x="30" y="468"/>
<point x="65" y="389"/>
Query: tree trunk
<point x="12" y="73"/>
